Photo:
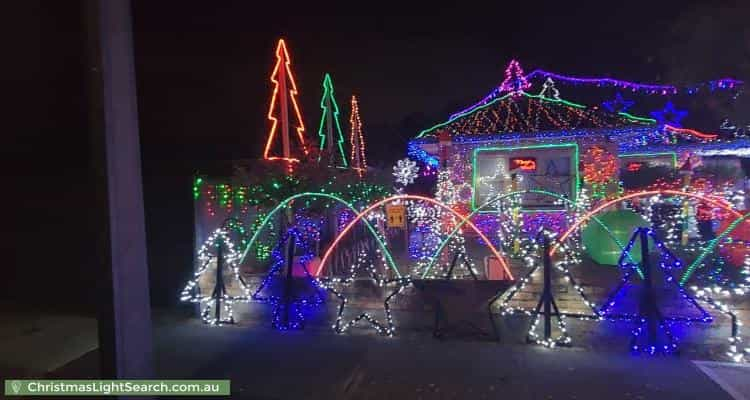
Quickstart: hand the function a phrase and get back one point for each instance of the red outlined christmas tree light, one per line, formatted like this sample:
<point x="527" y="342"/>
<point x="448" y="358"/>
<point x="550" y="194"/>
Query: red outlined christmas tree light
<point x="358" y="160"/>
<point x="278" y="144"/>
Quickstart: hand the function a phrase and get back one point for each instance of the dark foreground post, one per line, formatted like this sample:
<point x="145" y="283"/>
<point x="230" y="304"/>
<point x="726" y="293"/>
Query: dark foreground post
<point x="547" y="295"/>
<point x="125" y="341"/>
<point x="648" y="302"/>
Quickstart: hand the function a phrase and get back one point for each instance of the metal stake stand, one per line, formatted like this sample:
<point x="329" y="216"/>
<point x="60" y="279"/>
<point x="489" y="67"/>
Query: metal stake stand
<point x="547" y="300"/>
<point x="220" y="291"/>
<point x="439" y="328"/>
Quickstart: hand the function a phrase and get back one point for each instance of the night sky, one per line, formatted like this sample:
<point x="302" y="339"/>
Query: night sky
<point x="202" y="81"/>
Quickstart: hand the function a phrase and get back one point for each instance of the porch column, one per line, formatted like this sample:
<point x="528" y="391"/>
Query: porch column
<point x="125" y="336"/>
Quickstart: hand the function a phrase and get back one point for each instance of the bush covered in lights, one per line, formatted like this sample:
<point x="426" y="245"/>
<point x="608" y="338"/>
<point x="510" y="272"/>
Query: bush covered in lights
<point x="269" y="183"/>
<point x="646" y="176"/>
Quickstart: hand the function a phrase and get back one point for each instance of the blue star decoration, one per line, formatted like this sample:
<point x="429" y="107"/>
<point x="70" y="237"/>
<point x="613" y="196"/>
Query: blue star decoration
<point x="669" y="115"/>
<point x="619" y="104"/>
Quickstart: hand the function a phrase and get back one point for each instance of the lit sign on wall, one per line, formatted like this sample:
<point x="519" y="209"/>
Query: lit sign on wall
<point x="523" y="163"/>
<point x="634" y="166"/>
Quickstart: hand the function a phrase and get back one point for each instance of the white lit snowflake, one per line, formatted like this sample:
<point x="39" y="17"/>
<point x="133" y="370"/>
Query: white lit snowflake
<point x="405" y="171"/>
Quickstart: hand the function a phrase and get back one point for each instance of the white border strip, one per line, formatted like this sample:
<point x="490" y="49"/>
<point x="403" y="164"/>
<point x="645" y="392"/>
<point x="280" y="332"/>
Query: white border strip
<point x="704" y="367"/>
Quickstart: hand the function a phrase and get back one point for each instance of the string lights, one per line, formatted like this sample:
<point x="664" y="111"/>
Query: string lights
<point x="333" y="285"/>
<point x="669" y="115"/>
<point x="649" y="314"/>
<point x="284" y="93"/>
<point x="289" y="306"/>
<point x="330" y="128"/>
<point x="523" y="112"/>
<point x="643" y="88"/>
<point x="599" y="169"/>
<point x="405" y="171"/>
<point x="357" y="140"/>
<point x="618" y="104"/>
<point x="571" y="256"/>
<point x="217" y="307"/>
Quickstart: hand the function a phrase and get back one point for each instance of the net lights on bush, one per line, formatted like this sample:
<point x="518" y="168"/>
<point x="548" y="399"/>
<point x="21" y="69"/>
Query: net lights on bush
<point x="217" y="307"/>
<point x="599" y="169"/>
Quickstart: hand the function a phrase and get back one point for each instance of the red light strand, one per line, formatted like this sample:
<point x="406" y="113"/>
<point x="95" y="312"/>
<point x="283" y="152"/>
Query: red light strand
<point x="282" y="57"/>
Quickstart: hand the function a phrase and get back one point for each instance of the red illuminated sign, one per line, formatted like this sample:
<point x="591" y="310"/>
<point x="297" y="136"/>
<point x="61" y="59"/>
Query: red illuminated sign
<point x="634" y="166"/>
<point x="523" y="163"/>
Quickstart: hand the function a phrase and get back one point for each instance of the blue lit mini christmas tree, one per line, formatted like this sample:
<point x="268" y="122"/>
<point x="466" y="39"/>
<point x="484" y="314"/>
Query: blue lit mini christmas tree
<point x="290" y="297"/>
<point x="652" y="333"/>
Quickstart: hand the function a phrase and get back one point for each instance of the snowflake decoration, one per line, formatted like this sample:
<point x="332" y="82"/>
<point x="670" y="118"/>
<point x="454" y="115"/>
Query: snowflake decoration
<point x="405" y="171"/>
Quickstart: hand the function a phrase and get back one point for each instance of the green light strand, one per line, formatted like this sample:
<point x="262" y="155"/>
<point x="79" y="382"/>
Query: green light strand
<point x="636" y="118"/>
<point x="442" y="124"/>
<point x="710" y="248"/>
<point x="666" y="153"/>
<point x="328" y="96"/>
<point x="574" y="164"/>
<point x="289" y="199"/>
<point x="197" y="182"/>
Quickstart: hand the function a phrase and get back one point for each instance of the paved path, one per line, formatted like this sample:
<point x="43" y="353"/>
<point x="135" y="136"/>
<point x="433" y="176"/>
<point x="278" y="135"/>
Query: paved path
<point x="733" y="378"/>
<point x="33" y="344"/>
<point x="317" y="364"/>
<point x="265" y="364"/>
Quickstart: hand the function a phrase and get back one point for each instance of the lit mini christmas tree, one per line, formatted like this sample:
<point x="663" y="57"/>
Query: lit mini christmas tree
<point x="225" y="284"/>
<point x="331" y="138"/>
<point x="279" y="144"/>
<point x="357" y="140"/>
<point x="515" y="80"/>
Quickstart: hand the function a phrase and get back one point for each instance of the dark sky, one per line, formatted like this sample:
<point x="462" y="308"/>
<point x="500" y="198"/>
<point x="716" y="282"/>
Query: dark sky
<point x="204" y="69"/>
<point x="202" y="75"/>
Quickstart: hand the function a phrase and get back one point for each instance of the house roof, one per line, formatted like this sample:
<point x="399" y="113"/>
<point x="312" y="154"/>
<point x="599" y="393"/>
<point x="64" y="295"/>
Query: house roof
<point x="519" y="111"/>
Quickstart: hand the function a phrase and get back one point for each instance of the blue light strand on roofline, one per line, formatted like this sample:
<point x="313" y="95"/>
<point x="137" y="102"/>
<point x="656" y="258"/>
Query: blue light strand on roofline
<point x="419" y="154"/>
<point x="737" y="147"/>
<point x="629" y="139"/>
<point x="649" y="89"/>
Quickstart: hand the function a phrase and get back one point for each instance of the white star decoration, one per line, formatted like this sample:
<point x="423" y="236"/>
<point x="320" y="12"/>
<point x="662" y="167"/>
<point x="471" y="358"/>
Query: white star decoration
<point x="405" y="171"/>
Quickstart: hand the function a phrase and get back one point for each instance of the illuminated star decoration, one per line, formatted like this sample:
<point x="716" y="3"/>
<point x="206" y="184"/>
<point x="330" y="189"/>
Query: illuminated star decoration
<point x="405" y="171"/>
<point x="333" y="285"/>
<point x="669" y="115"/>
<point x="619" y="104"/>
